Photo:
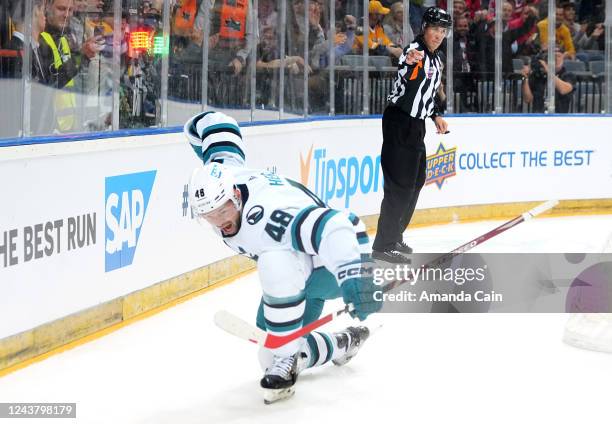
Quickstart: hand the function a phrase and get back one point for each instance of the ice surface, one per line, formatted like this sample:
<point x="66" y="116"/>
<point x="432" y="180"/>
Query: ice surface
<point x="177" y="367"/>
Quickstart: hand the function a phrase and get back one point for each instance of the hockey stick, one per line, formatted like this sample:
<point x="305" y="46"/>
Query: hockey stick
<point x="541" y="208"/>
<point x="240" y="328"/>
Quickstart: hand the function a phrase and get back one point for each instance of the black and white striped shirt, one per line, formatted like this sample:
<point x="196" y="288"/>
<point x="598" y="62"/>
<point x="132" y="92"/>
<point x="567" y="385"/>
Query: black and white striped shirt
<point x="414" y="89"/>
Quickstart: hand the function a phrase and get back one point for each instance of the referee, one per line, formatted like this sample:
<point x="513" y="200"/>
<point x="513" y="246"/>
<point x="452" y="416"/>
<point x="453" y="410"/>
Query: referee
<point x="403" y="157"/>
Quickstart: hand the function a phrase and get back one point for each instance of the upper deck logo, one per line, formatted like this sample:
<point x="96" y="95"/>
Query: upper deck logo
<point x="441" y="165"/>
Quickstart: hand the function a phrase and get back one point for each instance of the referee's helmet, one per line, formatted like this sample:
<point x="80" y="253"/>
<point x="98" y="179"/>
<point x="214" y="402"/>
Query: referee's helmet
<point x="435" y="16"/>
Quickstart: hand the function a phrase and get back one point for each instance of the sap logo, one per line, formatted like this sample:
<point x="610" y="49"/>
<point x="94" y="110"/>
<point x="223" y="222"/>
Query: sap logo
<point x="127" y="199"/>
<point x="255" y="214"/>
<point x="441" y="165"/>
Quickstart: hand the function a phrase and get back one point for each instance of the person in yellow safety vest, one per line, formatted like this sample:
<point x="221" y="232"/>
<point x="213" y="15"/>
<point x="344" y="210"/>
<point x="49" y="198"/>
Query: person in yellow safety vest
<point x="56" y="57"/>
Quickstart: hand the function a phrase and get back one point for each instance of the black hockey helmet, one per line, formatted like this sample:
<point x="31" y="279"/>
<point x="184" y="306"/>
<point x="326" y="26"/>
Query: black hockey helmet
<point x="435" y="16"/>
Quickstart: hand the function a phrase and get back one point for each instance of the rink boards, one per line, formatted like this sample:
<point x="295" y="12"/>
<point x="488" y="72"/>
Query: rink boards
<point x="97" y="232"/>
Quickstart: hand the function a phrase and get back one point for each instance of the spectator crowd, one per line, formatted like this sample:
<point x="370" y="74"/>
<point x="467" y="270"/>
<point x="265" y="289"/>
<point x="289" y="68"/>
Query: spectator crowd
<point x="73" y="71"/>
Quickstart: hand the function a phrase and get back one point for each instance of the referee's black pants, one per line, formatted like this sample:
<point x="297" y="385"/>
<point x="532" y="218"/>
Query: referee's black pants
<point x="404" y="162"/>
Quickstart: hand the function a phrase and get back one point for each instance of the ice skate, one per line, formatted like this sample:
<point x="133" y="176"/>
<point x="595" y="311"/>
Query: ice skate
<point x="402" y="247"/>
<point x="392" y="256"/>
<point x="354" y="337"/>
<point x="279" y="379"/>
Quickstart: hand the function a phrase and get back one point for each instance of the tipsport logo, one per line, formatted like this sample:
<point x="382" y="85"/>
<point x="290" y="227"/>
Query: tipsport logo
<point x="127" y="198"/>
<point x="340" y="177"/>
<point x="441" y="165"/>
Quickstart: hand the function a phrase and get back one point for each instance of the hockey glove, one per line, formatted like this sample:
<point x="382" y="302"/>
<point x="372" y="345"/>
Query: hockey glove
<point x="360" y="292"/>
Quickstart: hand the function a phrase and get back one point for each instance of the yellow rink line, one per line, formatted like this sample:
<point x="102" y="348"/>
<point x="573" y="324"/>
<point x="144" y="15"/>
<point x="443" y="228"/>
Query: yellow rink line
<point x="117" y="326"/>
<point x="31" y="346"/>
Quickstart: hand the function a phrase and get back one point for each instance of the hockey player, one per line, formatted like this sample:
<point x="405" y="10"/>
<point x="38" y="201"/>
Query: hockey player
<point x="306" y="252"/>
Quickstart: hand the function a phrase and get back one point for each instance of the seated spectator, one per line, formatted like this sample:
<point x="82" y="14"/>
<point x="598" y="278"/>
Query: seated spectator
<point x="464" y="52"/>
<point x="11" y="67"/>
<point x="378" y="42"/>
<point x="267" y="15"/>
<point x="314" y="40"/>
<point x="269" y="62"/>
<point x="562" y="34"/>
<point x="526" y="24"/>
<point x="38" y="74"/>
<point x="296" y="31"/>
<point x="99" y="78"/>
<point x="526" y="43"/>
<point x="507" y="11"/>
<point x="569" y="19"/>
<point x="268" y="59"/>
<point x="393" y="24"/>
<point x="518" y="6"/>
<point x="485" y="42"/>
<point x="78" y="21"/>
<point x="462" y="7"/>
<point x="535" y="81"/>
<point x="464" y="46"/>
<point x="592" y="38"/>
<point x="15" y="28"/>
<point x="459" y="9"/>
<point x="343" y="43"/>
<point x="268" y="54"/>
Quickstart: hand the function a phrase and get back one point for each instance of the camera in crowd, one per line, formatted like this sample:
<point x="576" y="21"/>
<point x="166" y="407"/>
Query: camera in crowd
<point x="537" y="70"/>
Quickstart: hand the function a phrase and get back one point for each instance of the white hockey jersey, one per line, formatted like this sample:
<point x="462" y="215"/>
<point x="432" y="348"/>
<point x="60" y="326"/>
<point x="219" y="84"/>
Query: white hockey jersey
<point x="278" y="213"/>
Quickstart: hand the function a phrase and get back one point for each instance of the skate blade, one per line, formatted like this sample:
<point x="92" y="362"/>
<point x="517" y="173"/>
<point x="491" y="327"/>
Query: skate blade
<point x="274" y="395"/>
